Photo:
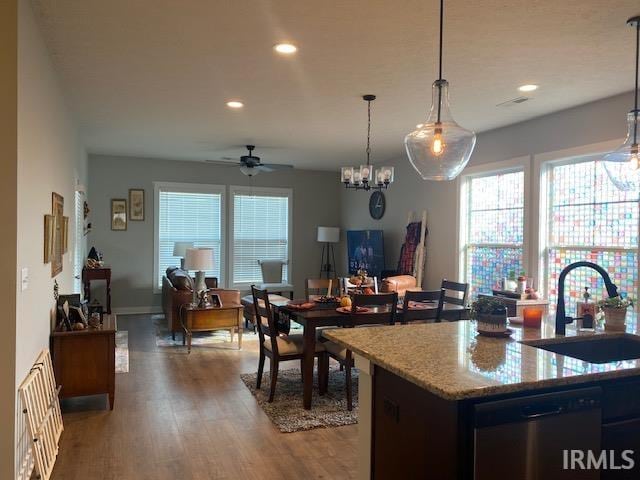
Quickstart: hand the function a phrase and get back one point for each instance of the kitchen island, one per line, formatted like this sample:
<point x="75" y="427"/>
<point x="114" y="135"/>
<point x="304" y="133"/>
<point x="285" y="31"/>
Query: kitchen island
<point x="424" y="393"/>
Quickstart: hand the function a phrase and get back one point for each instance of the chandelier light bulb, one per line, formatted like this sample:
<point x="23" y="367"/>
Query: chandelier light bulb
<point x="437" y="147"/>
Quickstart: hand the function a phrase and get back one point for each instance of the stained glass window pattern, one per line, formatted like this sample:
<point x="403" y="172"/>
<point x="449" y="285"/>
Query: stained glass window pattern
<point x="495" y="229"/>
<point x="590" y="219"/>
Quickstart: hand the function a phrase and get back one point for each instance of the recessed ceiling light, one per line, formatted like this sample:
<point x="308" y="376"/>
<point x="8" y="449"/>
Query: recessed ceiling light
<point x="528" y="88"/>
<point x="235" y="104"/>
<point x="420" y="125"/>
<point x="285" y="48"/>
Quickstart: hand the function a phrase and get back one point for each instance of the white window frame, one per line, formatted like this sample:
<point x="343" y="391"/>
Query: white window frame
<point x="266" y="192"/>
<point x="542" y="163"/>
<point x="188" y="188"/>
<point x="78" y="240"/>
<point x="494" y="168"/>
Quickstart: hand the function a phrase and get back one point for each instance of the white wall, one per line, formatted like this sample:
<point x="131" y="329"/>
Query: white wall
<point x="599" y="121"/>
<point x="316" y="201"/>
<point x="8" y="187"/>
<point x="50" y="159"/>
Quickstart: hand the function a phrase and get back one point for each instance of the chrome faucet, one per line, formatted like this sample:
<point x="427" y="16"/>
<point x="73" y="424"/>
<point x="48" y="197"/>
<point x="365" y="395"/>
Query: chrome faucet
<point x="561" y="318"/>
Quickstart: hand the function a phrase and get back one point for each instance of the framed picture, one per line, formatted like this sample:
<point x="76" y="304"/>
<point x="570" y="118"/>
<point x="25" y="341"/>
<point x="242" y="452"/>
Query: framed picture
<point x="118" y="214"/>
<point x="215" y="300"/>
<point x="366" y="251"/>
<point x="136" y="204"/>
<point x="49" y="221"/>
<point x="65" y="234"/>
<point x="57" y="209"/>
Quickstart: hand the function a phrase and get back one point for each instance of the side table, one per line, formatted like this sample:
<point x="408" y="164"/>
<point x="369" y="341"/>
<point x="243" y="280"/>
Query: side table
<point x="208" y="319"/>
<point x="103" y="273"/>
<point x="84" y="361"/>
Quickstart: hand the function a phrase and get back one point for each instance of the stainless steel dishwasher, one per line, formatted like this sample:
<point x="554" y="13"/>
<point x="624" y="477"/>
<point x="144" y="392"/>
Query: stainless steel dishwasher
<point x="525" y="438"/>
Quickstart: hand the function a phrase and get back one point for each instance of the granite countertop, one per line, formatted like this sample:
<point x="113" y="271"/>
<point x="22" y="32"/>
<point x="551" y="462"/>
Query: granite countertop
<point x="453" y="362"/>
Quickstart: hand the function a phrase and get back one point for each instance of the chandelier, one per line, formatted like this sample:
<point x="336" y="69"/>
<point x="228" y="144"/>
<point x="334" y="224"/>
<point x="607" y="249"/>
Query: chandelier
<point x="439" y="148"/>
<point x="623" y="165"/>
<point x="364" y="177"/>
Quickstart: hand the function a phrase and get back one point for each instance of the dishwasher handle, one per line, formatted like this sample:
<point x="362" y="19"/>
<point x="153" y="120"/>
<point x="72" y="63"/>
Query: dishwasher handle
<point x="529" y="412"/>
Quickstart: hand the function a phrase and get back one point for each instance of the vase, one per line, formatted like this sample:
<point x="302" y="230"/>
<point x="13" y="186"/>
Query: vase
<point x="614" y="319"/>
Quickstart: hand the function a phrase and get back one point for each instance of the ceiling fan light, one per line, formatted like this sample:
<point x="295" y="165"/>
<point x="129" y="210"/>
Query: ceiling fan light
<point x="249" y="171"/>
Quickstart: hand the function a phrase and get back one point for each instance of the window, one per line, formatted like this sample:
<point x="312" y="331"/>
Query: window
<point x="588" y="218"/>
<point x="492" y="228"/>
<point x="78" y="242"/>
<point x="188" y="213"/>
<point x="261" y="221"/>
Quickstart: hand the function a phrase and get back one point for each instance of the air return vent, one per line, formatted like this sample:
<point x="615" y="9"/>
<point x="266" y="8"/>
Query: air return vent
<point x="513" y="101"/>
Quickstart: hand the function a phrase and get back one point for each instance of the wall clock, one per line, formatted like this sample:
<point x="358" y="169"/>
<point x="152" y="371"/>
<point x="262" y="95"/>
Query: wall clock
<point x="377" y="205"/>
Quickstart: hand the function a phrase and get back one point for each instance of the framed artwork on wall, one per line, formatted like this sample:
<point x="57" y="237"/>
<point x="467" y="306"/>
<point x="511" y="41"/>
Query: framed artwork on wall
<point x="136" y="204"/>
<point x="366" y="251"/>
<point x="49" y="221"/>
<point x="57" y="209"/>
<point x="65" y="234"/>
<point x="118" y="214"/>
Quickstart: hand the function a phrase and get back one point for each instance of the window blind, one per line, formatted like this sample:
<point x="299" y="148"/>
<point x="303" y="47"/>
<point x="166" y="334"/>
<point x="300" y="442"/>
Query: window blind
<point x="590" y="219"/>
<point x="495" y="229"/>
<point x="188" y="217"/>
<point x="260" y="232"/>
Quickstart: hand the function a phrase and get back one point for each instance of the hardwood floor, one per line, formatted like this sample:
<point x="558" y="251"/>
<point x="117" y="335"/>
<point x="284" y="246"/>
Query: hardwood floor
<point x="180" y="416"/>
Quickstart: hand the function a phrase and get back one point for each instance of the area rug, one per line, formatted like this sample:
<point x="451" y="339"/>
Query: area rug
<point x="215" y="339"/>
<point x="122" y="351"/>
<point x="286" y="411"/>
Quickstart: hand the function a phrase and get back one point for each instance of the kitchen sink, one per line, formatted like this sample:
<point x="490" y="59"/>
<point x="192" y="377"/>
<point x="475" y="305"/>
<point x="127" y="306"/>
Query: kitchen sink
<point x="597" y="349"/>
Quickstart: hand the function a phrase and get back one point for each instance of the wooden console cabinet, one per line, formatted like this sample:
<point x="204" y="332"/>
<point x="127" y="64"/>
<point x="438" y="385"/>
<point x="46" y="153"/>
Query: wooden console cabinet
<point x="84" y="361"/>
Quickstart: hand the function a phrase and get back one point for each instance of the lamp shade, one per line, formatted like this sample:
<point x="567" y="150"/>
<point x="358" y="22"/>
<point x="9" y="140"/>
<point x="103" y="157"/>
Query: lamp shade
<point x="180" y="248"/>
<point x="199" y="259"/>
<point x="328" y="234"/>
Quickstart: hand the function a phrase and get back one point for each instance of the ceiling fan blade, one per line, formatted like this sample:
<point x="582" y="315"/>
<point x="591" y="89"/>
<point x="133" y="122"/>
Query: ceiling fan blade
<point x="224" y="163"/>
<point x="276" y="166"/>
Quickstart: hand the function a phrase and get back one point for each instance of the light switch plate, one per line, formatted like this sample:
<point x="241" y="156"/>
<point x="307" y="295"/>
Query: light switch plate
<point x="24" y="277"/>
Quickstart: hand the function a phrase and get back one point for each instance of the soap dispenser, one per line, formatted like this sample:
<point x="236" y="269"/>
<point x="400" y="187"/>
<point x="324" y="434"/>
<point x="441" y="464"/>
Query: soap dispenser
<point x="587" y="308"/>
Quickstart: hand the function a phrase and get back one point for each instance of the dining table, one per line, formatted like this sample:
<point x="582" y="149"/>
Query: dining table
<point x="327" y="315"/>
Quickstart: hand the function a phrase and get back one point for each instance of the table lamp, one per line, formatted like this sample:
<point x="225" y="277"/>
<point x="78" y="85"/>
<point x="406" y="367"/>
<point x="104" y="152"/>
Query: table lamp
<point x="200" y="260"/>
<point x="328" y="236"/>
<point x="180" y="250"/>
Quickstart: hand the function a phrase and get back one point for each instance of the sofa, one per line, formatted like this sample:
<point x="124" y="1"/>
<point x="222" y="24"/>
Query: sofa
<point x="177" y="290"/>
<point x="399" y="284"/>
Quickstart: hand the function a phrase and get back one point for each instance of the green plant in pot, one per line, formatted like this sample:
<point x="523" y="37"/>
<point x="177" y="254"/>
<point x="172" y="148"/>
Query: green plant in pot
<point x="615" y="312"/>
<point x="490" y="314"/>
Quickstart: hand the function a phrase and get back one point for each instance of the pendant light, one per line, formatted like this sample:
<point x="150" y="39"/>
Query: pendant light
<point x="364" y="177"/>
<point x="439" y="148"/>
<point x="623" y="164"/>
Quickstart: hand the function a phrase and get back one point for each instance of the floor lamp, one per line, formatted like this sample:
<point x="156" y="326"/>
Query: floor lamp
<point x="328" y="236"/>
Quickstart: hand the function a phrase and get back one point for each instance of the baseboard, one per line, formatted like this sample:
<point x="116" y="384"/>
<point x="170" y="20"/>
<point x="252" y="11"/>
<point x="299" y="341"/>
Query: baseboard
<point x="137" y="310"/>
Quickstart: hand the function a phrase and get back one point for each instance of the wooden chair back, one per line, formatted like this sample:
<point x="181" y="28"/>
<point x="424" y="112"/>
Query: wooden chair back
<point x="409" y="315"/>
<point x="265" y="320"/>
<point x="454" y="292"/>
<point x="389" y="300"/>
<point x="316" y="287"/>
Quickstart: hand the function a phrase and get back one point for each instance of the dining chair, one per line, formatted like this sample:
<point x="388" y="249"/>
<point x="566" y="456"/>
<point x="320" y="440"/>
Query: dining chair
<point x="420" y="296"/>
<point x="279" y="348"/>
<point x="345" y="356"/>
<point x="317" y="287"/>
<point x="454" y="293"/>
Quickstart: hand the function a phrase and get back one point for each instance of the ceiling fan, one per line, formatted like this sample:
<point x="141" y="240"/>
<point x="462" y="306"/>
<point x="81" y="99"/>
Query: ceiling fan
<point x="250" y="164"/>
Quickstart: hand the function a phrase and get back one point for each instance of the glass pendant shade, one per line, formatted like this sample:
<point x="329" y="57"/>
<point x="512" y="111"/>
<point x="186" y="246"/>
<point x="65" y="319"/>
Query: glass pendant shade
<point x="365" y="172"/>
<point x="623" y="164"/>
<point x="346" y="175"/>
<point x="440" y="148"/>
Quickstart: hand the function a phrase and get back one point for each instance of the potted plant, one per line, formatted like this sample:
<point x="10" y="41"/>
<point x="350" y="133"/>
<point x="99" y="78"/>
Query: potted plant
<point x="615" y="312"/>
<point x="490" y="314"/>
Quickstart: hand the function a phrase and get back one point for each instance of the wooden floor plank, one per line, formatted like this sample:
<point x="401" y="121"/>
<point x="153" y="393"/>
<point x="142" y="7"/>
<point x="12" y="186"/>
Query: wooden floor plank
<point x="190" y="417"/>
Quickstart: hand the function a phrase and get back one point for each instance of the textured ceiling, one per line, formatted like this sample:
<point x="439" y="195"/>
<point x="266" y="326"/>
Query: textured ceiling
<point x="151" y="77"/>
